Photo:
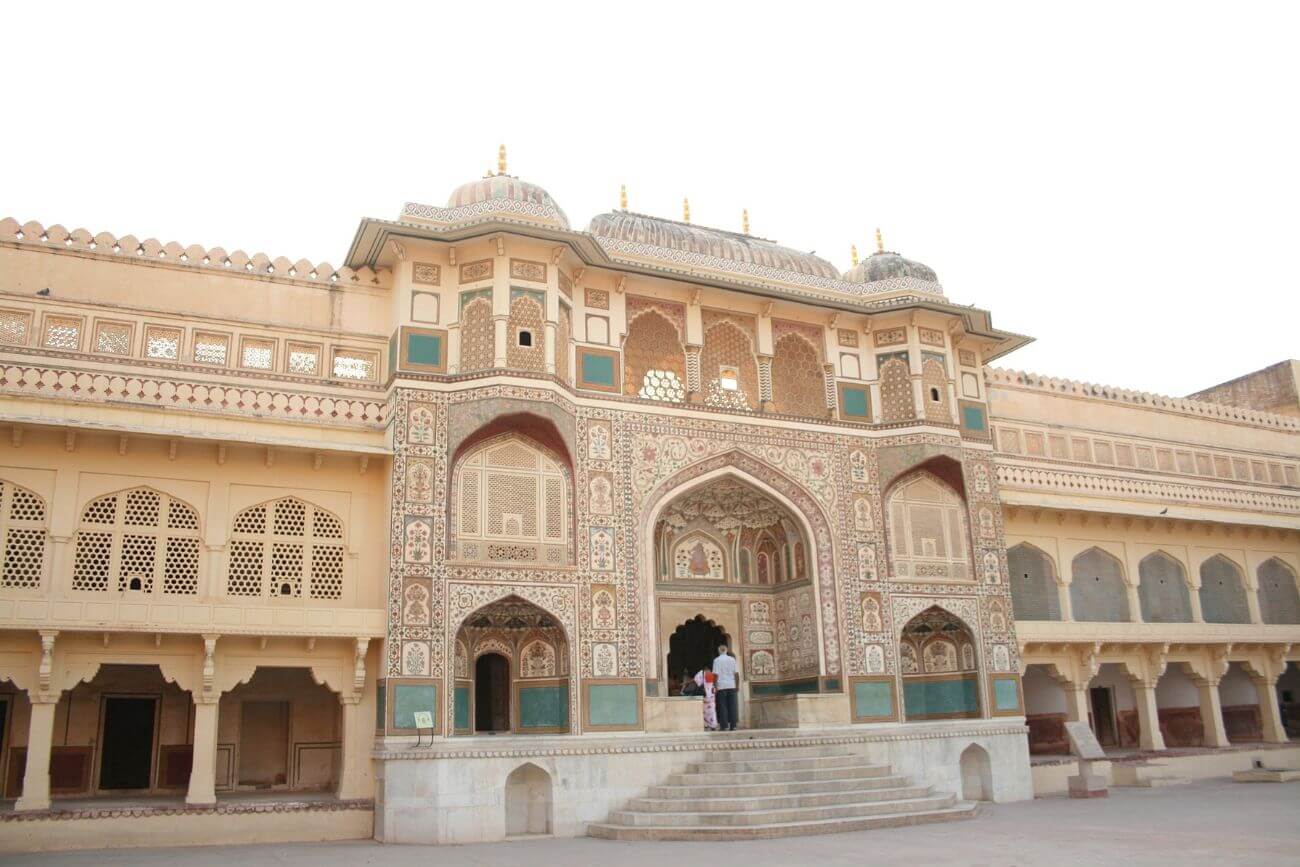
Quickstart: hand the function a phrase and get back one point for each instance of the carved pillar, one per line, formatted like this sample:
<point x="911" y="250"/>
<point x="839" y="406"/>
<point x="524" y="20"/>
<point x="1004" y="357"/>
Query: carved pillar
<point x="1144" y="696"/>
<point x="1067" y="606"/>
<point x="453" y="348"/>
<point x="500" y="337"/>
<point x="1270" y="715"/>
<point x="1076" y="702"/>
<point x="40" y="738"/>
<point x="1134" y="603"/>
<point x="1252" y="602"/>
<point x="693" y="373"/>
<point x="1194" y="594"/>
<point x="549" y="347"/>
<point x="203" y="768"/>
<point x="828" y="378"/>
<point x="764" y="382"/>
<point x="1211" y="712"/>
<point x="358" y="736"/>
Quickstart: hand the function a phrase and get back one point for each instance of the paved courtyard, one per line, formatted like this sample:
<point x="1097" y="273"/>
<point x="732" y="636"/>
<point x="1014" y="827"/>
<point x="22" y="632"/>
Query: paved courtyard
<point x="1207" y="822"/>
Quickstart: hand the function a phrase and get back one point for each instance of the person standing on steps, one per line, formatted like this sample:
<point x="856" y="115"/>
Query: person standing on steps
<point x="728" y="675"/>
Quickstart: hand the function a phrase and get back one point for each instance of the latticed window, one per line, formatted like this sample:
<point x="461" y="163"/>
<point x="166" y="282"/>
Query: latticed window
<point x="654" y="363"/>
<point x="508" y="490"/>
<point x="137" y="540"/>
<point x="22" y="528"/>
<point x="927" y="530"/>
<point x="288" y="548"/>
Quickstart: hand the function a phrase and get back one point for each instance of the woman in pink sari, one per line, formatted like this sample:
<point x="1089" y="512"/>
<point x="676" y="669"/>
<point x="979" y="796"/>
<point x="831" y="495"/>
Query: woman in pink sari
<point x="708" y="682"/>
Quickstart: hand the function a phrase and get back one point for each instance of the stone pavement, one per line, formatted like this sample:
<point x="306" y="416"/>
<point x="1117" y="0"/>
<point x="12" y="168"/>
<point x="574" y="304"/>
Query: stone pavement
<point x="1208" y="822"/>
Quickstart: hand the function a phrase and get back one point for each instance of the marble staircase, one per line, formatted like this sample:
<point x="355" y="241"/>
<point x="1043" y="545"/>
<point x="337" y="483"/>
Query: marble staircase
<point x="758" y="792"/>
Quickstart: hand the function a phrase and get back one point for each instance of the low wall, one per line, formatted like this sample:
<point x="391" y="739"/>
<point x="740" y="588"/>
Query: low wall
<point x="107" y="827"/>
<point x="457" y="790"/>
<point x="1051" y="779"/>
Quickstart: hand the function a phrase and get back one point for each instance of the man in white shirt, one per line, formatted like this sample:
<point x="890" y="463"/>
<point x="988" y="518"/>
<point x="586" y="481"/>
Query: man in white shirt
<point x="728" y="675"/>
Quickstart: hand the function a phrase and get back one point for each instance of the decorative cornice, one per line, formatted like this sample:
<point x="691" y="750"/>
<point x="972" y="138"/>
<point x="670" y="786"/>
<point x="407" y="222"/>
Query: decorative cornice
<point x="996" y="376"/>
<point x="237" y="264"/>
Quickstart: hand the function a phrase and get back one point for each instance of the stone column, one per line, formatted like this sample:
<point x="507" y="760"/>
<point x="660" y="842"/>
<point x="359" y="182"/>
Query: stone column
<point x="453" y="348"/>
<point x="1134" y="603"/>
<point x="764" y="382"/>
<point x="1194" y="594"/>
<point x="1270" y="715"/>
<point x="549" y="347"/>
<point x="203" y="767"/>
<point x="1076" y="702"/>
<point x="1149" y="736"/>
<point x="693" y="373"/>
<point x="1067" y="606"/>
<point x="40" y="739"/>
<point x="499" y="340"/>
<point x="828" y="383"/>
<point x="1211" y="712"/>
<point x="354" y="751"/>
<point x="1252" y="603"/>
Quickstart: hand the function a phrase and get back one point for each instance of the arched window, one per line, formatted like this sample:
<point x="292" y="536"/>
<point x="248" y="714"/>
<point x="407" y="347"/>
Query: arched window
<point x="1162" y="590"/>
<point x="937" y="661"/>
<point x="22" y="528"/>
<point x="137" y="540"/>
<point x="1033" y="584"/>
<point x="1097" y="590"/>
<point x="934" y="379"/>
<point x="798" y="384"/>
<point x="1223" y="593"/>
<point x="1279" y="601"/>
<point x="728" y="369"/>
<point x="286" y="548"/>
<point x="654" y="363"/>
<point x="927" y="529"/>
<point x="511" y="504"/>
<point x="896" y="402"/>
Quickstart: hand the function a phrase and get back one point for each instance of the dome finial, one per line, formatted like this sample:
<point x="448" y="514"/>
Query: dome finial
<point x="501" y="160"/>
<point x="853" y="254"/>
<point x="686" y="210"/>
<point x="744" y="221"/>
<point x="622" y="196"/>
<point x="880" y="242"/>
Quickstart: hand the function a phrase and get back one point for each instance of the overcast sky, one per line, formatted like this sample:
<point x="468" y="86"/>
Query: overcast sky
<point x="1120" y="181"/>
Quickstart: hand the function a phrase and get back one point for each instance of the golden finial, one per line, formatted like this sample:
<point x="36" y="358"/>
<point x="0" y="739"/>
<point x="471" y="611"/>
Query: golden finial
<point x="853" y="253"/>
<point x="622" y="196"/>
<point x="744" y="221"/>
<point x="880" y="242"/>
<point x="686" y="210"/>
<point x="501" y="160"/>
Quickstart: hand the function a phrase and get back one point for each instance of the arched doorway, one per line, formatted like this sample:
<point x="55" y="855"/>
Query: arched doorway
<point x="976" y="774"/>
<point x="512" y="670"/>
<point x="528" y="801"/>
<point x="693" y="645"/>
<point x="492" y="693"/>
<point x="937" y="659"/>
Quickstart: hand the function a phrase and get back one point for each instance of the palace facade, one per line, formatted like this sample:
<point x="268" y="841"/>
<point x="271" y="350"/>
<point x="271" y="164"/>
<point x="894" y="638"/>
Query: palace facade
<point x="420" y="546"/>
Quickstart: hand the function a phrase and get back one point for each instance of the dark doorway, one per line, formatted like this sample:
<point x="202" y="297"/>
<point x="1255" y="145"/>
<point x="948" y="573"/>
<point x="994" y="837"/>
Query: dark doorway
<point x="692" y="646"/>
<point x="492" y="693"/>
<point x="128" y="743"/>
<point x="1103" y="716"/>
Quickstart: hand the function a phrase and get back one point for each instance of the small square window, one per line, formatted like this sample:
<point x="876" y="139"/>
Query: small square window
<point x="304" y="359"/>
<point x="162" y="343"/>
<point x="525" y="337"/>
<point x="257" y="353"/>
<point x="729" y="378"/>
<point x="354" y="365"/>
<point x="211" y="348"/>
<point x="62" y="332"/>
<point x="113" y="338"/>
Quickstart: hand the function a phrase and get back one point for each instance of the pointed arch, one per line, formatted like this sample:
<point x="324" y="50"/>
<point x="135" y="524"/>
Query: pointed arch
<point x="926" y="528"/>
<point x="528" y="799"/>
<point x="728" y="349"/>
<point x="798" y="383"/>
<point x="1162" y="589"/>
<point x="654" y="359"/>
<point x="24" y="524"/>
<point x="137" y="539"/>
<point x="526" y="340"/>
<point x="1098" y="591"/>
<point x="937" y="684"/>
<point x="1279" y="599"/>
<point x="286" y="547"/>
<point x="1034" y="594"/>
<point x="1223" y="591"/>
<point x="477" y="334"/>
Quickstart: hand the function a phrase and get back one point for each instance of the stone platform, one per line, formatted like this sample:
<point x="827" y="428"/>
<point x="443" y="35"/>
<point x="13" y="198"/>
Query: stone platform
<point x="457" y="792"/>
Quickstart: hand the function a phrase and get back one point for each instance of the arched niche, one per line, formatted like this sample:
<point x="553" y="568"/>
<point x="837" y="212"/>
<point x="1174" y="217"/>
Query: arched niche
<point x="1097" y="588"/>
<point x="528" y="801"/>
<point x="1223" y="591"/>
<point x="926" y="528"/>
<point x="1162" y="590"/>
<point x="940" y="676"/>
<point x="1034" y="590"/>
<point x="1279" y="599"/>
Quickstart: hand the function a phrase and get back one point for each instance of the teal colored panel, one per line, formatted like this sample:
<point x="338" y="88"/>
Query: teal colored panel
<point x="940" y="697"/>
<point x="598" y="369"/>
<point x="408" y="698"/>
<point x="973" y="418"/>
<point x="612" y="704"/>
<point x="462" y="707"/>
<point x="379" y="706"/>
<point x="855" y="403"/>
<point x="1005" y="694"/>
<point x="785" y="687"/>
<point x="392" y="352"/>
<point x="543" y="707"/>
<point x="873" y="698"/>
<point x="424" y="349"/>
<point x="832" y="684"/>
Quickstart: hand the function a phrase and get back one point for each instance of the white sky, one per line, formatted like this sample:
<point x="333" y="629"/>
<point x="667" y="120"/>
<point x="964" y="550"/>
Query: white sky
<point x="1120" y="181"/>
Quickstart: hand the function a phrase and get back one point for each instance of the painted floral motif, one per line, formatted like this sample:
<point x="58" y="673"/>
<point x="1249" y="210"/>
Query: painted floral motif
<point x="992" y="568"/>
<point x="862" y="515"/>
<point x="761" y="664"/>
<point x="462" y="660"/>
<point x="939" y="656"/>
<point x="415" y="659"/>
<point x="867" y="562"/>
<point x="419" y="430"/>
<point x="537" y="659"/>
<point x="875" y="659"/>
<point x="987" y="530"/>
<point x="598" y="441"/>
<point x="601" y="500"/>
<point x="967" y="657"/>
<point x="603" y="611"/>
<point x="416" y="610"/>
<point x="760" y="613"/>
<point x="601" y="549"/>
<point x="997" y="616"/>
<point x="872" y="621"/>
<point x="1001" y="658"/>
<point x="981" y="476"/>
<point x="907" y="659"/>
<point x="857" y="466"/>
<point x="419" y="481"/>
<point x="418" y="534"/>
<point x="604" y="660"/>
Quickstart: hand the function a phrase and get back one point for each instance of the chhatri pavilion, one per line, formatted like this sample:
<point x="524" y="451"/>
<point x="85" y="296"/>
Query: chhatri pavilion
<point x="420" y="546"/>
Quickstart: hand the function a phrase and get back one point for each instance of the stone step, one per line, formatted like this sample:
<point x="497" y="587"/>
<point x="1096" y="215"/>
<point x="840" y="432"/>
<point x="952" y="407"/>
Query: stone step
<point x="732" y="790"/>
<point x="782" y="752"/>
<point x="1143" y="775"/>
<point x="757" y="816"/>
<point x="800" y="775"/>
<point x="608" y="831"/>
<point x="774" y="802"/>
<point x="765" y="764"/>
